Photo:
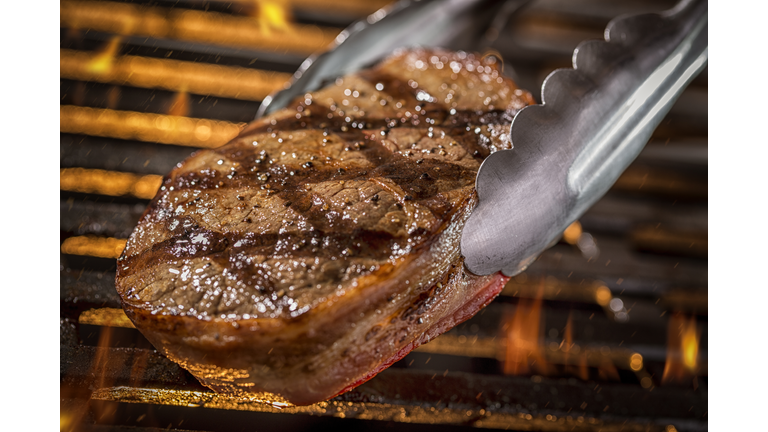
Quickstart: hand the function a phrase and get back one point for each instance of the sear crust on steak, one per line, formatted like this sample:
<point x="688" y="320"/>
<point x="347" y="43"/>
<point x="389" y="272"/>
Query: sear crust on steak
<point x="322" y="244"/>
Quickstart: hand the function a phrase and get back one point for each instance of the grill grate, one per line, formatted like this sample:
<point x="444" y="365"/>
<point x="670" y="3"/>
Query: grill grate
<point x="146" y="83"/>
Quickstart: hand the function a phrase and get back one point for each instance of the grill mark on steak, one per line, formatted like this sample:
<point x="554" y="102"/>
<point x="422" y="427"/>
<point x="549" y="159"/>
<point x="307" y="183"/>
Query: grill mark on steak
<point x="416" y="180"/>
<point x="398" y="162"/>
<point x="309" y="252"/>
<point x="458" y="123"/>
<point x="372" y="244"/>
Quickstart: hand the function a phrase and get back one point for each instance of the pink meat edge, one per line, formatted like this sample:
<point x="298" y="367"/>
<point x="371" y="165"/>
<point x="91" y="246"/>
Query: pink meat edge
<point x="481" y="299"/>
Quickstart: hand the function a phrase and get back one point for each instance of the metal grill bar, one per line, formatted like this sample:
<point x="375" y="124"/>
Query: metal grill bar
<point x="651" y="232"/>
<point x="204" y="79"/>
<point x="402" y="396"/>
<point x="191" y="25"/>
<point x="164" y="129"/>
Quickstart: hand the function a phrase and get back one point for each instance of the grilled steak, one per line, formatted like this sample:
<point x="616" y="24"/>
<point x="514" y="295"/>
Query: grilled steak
<point x="322" y="244"/>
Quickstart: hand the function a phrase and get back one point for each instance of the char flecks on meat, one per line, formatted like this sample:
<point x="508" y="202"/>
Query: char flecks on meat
<point x="322" y="244"/>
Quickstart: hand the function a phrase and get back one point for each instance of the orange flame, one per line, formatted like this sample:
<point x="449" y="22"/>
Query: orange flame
<point x="100" y="367"/>
<point x="73" y="420"/>
<point x="102" y="62"/>
<point x="577" y="366"/>
<point x="273" y="15"/>
<point x="180" y="104"/>
<point x="113" y="96"/>
<point x="682" y="349"/>
<point x="567" y="342"/>
<point x="100" y="359"/>
<point x="574" y="366"/>
<point x="523" y="351"/>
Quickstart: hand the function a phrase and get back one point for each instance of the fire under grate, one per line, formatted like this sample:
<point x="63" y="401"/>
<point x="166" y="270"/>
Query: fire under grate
<point x="606" y="331"/>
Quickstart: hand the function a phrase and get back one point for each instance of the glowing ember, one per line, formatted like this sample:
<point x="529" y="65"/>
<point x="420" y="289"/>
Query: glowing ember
<point x="682" y="349"/>
<point x="101" y="63"/>
<point x="64" y="421"/>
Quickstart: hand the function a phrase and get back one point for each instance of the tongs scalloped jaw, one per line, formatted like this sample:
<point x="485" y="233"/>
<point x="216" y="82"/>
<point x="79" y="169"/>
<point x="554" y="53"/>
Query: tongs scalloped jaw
<point x="594" y="120"/>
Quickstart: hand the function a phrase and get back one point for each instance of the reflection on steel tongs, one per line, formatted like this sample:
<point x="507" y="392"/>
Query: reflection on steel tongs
<point x="567" y="152"/>
<point x="595" y="119"/>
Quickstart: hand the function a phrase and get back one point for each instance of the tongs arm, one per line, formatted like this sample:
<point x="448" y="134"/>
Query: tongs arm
<point x="594" y="121"/>
<point x="450" y="24"/>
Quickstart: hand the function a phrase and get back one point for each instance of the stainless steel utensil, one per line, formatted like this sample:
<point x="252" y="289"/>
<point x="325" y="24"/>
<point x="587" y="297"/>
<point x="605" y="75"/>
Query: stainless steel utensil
<point x="594" y="120"/>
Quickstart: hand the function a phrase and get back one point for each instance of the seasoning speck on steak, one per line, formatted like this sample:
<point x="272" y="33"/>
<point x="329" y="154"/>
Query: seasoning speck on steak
<point x="322" y="244"/>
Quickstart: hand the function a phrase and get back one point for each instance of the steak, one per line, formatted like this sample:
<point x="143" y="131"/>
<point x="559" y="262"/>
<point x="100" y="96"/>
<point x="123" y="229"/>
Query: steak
<point x="322" y="244"/>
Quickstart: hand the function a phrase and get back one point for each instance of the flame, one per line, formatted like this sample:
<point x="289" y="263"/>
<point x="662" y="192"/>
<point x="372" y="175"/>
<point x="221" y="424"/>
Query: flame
<point x="100" y="359"/>
<point x="73" y="420"/>
<point x="64" y="421"/>
<point x="578" y="366"/>
<point x="272" y="15"/>
<point x="682" y="349"/>
<point x="113" y="96"/>
<point x="523" y="352"/>
<point x="102" y="62"/>
<point x="690" y="343"/>
<point x="180" y="104"/>
<point x="99" y="369"/>
<point x="141" y="360"/>
<point x="567" y="342"/>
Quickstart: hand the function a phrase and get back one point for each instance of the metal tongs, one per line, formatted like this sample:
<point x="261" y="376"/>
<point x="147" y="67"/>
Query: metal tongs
<point x="594" y="121"/>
